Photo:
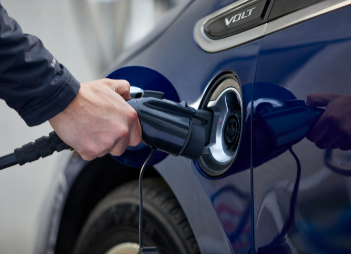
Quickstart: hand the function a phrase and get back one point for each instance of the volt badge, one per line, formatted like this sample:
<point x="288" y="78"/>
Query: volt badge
<point x="239" y="16"/>
<point x="236" y="20"/>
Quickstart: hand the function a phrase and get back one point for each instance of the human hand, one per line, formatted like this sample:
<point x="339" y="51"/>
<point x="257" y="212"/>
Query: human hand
<point x="333" y="129"/>
<point x="99" y="120"/>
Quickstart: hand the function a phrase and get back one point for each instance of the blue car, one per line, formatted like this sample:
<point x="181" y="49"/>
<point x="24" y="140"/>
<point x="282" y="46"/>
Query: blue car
<point x="248" y="192"/>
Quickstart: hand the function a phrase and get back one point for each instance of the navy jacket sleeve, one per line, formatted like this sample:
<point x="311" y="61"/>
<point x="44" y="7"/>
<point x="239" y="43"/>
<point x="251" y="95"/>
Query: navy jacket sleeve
<point x="32" y="81"/>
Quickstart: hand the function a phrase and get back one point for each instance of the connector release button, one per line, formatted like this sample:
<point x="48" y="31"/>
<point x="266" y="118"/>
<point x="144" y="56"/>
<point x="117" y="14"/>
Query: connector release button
<point x="153" y="94"/>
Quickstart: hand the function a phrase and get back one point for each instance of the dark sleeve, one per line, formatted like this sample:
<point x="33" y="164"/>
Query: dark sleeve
<point x="32" y="81"/>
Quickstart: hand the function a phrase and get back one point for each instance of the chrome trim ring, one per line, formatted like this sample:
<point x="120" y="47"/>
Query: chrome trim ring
<point x="222" y="107"/>
<point x="296" y="17"/>
<point x="225" y="100"/>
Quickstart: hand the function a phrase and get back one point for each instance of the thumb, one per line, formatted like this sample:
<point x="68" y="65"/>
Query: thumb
<point x="318" y="100"/>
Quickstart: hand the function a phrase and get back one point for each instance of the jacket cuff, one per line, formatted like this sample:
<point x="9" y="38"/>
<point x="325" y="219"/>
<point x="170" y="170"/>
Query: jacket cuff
<point x="54" y="104"/>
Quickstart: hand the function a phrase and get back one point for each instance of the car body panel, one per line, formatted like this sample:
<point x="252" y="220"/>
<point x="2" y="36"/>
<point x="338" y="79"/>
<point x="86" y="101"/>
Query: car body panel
<point x="311" y="57"/>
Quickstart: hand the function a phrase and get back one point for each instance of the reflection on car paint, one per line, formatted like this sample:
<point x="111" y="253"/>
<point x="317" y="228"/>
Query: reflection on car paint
<point x="279" y="245"/>
<point x="233" y="208"/>
<point x="311" y="57"/>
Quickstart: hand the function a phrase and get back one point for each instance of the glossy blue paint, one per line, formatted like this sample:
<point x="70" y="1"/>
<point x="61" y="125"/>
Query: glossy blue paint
<point x="216" y="222"/>
<point x="311" y="57"/>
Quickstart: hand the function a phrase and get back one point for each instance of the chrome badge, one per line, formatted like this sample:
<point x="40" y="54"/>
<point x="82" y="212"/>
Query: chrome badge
<point x="236" y="20"/>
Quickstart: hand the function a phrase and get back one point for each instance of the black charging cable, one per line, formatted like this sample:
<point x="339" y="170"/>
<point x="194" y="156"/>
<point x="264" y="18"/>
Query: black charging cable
<point x="8" y="161"/>
<point x="41" y="148"/>
<point x="293" y="200"/>
<point x="278" y="243"/>
<point x="144" y="250"/>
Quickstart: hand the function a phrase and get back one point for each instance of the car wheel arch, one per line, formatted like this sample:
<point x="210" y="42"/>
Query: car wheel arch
<point x="92" y="183"/>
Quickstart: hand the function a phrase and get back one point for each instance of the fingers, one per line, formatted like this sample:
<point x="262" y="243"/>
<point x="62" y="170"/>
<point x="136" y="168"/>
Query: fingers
<point x="330" y="138"/>
<point x="104" y="144"/>
<point x="135" y="139"/>
<point x="126" y="130"/>
<point x="318" y="100"/>
<point x="341" y="142"/>
<point x="121" y="143"/>
<point x="337" y="136"/>
<point x="131" y="137"/>
<point x="126" y="139"/>
<point x="99" y="120"/>
<point x="346" y="147"/>
<point x="114" y="140"/>
<point x="323" y="125"/>
<point x="120" y="86"/>
<point x="333" y="129"/>
<point x="320" y="129"/>
<point x="136" y="133"/>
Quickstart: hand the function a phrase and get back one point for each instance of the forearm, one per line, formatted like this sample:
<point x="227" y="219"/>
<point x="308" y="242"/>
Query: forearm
<point x="31" y="80"/>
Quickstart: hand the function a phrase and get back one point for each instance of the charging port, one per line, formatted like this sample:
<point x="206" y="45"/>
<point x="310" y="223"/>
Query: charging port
<point x="224" y="100"/>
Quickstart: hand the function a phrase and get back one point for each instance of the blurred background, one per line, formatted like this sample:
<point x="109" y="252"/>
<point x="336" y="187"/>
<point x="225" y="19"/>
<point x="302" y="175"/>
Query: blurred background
<point x="86" y="36"/>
